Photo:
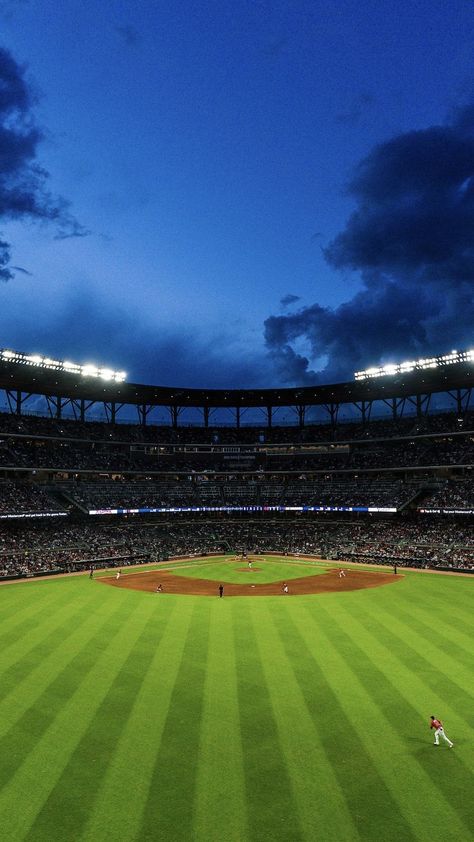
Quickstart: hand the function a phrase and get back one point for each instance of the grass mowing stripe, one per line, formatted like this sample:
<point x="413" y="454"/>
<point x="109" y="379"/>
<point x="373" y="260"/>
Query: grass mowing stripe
<point x="436" y="601"/>
<point x="37" y="705"/>
<point x="168" y="812"/>
<point x="427" y="648"/>
<point x="271" y="808"/>
<point x="220" y="789"/>
<point x="317" y="792"/>
<point x="412" y="654"/>
<point x="31" y="650"/>
<point x="39" y="678"/>
<point x="25" y="793"/>
<point x="453" y="616"/>
<point x="122" y="795"/>
<point x="453" y="644"/>
<point x="23" y="626"/>
<point x="13" y="611"/>
<point x="334" y="699"/>
<point x="440" y="799"/>
<point x="67" y="807"/>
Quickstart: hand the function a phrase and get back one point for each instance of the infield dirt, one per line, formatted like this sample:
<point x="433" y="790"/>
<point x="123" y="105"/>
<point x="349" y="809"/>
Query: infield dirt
<point x="328" y="582"/>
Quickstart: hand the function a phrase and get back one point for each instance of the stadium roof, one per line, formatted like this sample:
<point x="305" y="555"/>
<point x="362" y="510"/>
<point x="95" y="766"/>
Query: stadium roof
<point x="62" y="384"/>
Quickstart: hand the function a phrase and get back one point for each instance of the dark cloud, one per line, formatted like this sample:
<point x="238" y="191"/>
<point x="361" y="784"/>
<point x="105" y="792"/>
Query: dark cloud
<point x="22" y="270"/>
<point x="23" y="182"/>
<point x="411" y="239"/>
<point x="356" y="110"/>
<point x="87" y="328"/>
<point x="129" y="35"/>
<point x="289" y="299"/>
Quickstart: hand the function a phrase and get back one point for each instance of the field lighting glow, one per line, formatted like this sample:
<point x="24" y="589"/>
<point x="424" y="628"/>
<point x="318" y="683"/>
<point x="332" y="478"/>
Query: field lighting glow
<point x="391" y="369"/>
<point x="87" y="370"/>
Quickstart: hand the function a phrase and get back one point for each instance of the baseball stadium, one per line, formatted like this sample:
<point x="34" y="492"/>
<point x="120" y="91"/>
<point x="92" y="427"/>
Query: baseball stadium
<point x="235" y="615"/>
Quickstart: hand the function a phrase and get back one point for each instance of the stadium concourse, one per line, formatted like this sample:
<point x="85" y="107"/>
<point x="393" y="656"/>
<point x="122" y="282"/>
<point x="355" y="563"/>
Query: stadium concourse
<point x="76" y="493"/>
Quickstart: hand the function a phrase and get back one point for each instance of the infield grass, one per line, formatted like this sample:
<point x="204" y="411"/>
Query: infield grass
<point x="267" y="569"/>
<point x="125" y="717"/>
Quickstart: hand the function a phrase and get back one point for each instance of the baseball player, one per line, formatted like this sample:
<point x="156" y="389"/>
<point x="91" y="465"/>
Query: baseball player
<point x="249" y="563"/>
<point x="285" y="588"/>
<point x="342" y="574"/>
<point x="438" y="726"/>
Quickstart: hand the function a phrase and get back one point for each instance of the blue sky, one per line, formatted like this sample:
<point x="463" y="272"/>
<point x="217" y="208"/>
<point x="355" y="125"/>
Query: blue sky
<point x="212" y="169"/>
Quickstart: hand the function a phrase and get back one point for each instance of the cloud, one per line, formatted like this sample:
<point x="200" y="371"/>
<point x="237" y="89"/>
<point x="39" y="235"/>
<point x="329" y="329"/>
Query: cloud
<point x="289" y="299"/>
<point x="23" y="182"/>
<point x="356" y="111"/>
<point x="411" y="240"/>
<point x="88" y="328"/>
<point x="22" y="270"/>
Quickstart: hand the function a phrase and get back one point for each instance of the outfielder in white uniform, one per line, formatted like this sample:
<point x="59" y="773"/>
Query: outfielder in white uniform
<point x="439" y="731"/>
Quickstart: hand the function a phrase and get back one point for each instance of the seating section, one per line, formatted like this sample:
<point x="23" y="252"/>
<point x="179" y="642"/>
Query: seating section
<point x="68" y="547"/>
<point x="26" y="498"/>
<point x="52" y="466"/>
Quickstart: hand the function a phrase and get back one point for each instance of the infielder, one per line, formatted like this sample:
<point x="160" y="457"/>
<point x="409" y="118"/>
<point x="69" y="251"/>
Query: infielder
<point x="439" y="730"/>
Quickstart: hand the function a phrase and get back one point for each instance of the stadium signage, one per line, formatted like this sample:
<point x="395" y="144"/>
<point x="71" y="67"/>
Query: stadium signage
<point x="446" y="511"/>
<point x="197" y="509"/>
<point x="33" y="514"/>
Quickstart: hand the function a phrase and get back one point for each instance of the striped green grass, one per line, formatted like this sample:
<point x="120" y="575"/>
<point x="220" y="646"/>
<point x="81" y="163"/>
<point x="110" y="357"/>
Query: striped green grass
<point x="124" y="717"/>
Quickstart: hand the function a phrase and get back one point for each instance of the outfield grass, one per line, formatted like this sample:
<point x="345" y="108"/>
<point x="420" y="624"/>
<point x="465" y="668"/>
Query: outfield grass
<point x="126" y="717"/>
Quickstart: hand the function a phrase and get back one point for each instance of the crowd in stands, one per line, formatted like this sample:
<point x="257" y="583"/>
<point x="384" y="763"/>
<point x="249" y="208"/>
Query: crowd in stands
<point x="385" y="464"/>
<point x="67" y="547"/>
<point x="369" y="490"/>
<point x="454" y="494"/>
<point x="86" y="455"/>
<point x="26" y="497"/>
<point x="365" y="490"/>
<point x="344" y="430"/>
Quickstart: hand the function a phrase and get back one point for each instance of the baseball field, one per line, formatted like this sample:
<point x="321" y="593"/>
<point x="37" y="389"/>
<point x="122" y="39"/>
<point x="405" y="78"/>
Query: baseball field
<point x="127" y="714"/>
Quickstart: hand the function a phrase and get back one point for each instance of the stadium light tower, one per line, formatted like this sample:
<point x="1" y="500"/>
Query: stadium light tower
<point x="392" y="369"/>
<point x="87" y="370"/>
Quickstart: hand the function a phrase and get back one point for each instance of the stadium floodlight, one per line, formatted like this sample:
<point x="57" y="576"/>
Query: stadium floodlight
<point x="87" y="370"/>
<point x="90" y="370"/>
<point x="392" y="369"/>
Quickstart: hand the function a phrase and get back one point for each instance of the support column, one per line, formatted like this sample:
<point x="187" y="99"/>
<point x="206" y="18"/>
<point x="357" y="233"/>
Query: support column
<point x="143" y="411"/>
<point x="333" y="411"/>
<point x="175" y="412"/>
<point x="16" y="399"/>
<point x="300" y="410"/>
<point x="462" y="398"/>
